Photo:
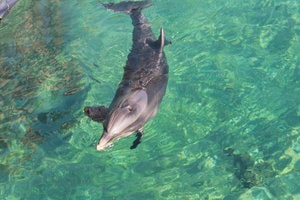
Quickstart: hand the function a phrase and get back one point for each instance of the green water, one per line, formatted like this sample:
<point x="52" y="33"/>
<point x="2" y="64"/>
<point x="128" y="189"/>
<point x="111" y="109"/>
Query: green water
<point x="228" y="127"/>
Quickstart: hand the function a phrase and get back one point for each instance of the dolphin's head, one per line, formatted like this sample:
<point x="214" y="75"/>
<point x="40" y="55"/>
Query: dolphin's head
<point x="125" y="117"/>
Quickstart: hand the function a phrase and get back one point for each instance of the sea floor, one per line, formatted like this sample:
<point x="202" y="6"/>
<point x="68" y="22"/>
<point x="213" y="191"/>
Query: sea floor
<point x="228" y="127"/>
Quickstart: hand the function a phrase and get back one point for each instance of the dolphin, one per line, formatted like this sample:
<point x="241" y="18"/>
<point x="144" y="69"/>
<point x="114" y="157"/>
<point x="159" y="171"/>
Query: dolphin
<point x="144" y="81"/>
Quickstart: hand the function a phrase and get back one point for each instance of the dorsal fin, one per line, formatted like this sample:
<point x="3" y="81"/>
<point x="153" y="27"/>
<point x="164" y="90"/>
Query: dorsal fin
<point x="161" y="39"/>
<point x="160" y="42"/>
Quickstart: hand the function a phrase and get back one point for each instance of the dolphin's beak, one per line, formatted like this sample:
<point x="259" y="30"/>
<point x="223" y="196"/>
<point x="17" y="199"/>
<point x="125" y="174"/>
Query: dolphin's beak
<point x="104" y="142"/>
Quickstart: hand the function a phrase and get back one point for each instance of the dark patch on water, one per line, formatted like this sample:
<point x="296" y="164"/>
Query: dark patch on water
<point x="248" y="171"/>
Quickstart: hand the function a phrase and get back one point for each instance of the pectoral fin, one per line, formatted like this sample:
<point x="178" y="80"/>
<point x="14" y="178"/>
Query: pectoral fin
<point x="97" y="114"/>
<point x="137" y="141"/>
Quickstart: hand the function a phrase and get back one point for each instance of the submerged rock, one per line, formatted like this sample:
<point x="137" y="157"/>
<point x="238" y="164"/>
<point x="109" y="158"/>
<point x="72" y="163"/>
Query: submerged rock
<point x="250" y="172"/>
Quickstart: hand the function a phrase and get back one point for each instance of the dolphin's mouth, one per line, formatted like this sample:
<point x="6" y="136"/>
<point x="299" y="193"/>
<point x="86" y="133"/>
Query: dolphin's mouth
<point x="102" y="147"/>
<point x="104" y="142"/>
<point x="107" y="140"/>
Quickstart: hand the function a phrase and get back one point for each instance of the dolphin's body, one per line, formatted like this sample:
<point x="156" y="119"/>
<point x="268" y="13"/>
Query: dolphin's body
<point x="143" y="84"/>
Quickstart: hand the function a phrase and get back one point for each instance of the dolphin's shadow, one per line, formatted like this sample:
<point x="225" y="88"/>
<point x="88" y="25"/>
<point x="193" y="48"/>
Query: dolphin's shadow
<point x="53" y="124"/>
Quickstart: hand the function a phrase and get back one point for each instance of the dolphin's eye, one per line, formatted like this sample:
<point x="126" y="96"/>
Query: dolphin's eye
<point x="127" y="106"/>
<point x="130" y="109"/>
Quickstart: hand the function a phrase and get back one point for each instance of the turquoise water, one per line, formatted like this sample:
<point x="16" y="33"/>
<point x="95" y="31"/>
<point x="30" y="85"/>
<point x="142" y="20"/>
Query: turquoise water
<point x="228" y="127"/>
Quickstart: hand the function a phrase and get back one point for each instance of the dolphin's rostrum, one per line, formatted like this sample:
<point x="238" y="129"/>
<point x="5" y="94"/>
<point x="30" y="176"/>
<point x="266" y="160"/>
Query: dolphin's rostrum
<point x="143" y="84"/>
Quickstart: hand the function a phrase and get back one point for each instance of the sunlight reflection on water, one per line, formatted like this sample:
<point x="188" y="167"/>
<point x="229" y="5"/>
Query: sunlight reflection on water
<point x="228" y="127"/>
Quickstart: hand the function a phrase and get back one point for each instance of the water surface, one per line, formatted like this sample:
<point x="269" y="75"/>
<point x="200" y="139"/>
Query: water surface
<point x="228" y="127"/>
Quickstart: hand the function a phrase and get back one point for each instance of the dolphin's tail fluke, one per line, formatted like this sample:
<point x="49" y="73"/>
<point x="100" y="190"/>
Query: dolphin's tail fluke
<point x="127" y="6"/>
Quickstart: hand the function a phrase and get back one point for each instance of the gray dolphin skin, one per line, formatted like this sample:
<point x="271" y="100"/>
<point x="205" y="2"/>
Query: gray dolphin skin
<point x="143" y="84"/>
<point x="5" y="7"/>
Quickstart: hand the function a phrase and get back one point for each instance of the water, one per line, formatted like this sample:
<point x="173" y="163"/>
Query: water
<point x="228" y="127"/>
